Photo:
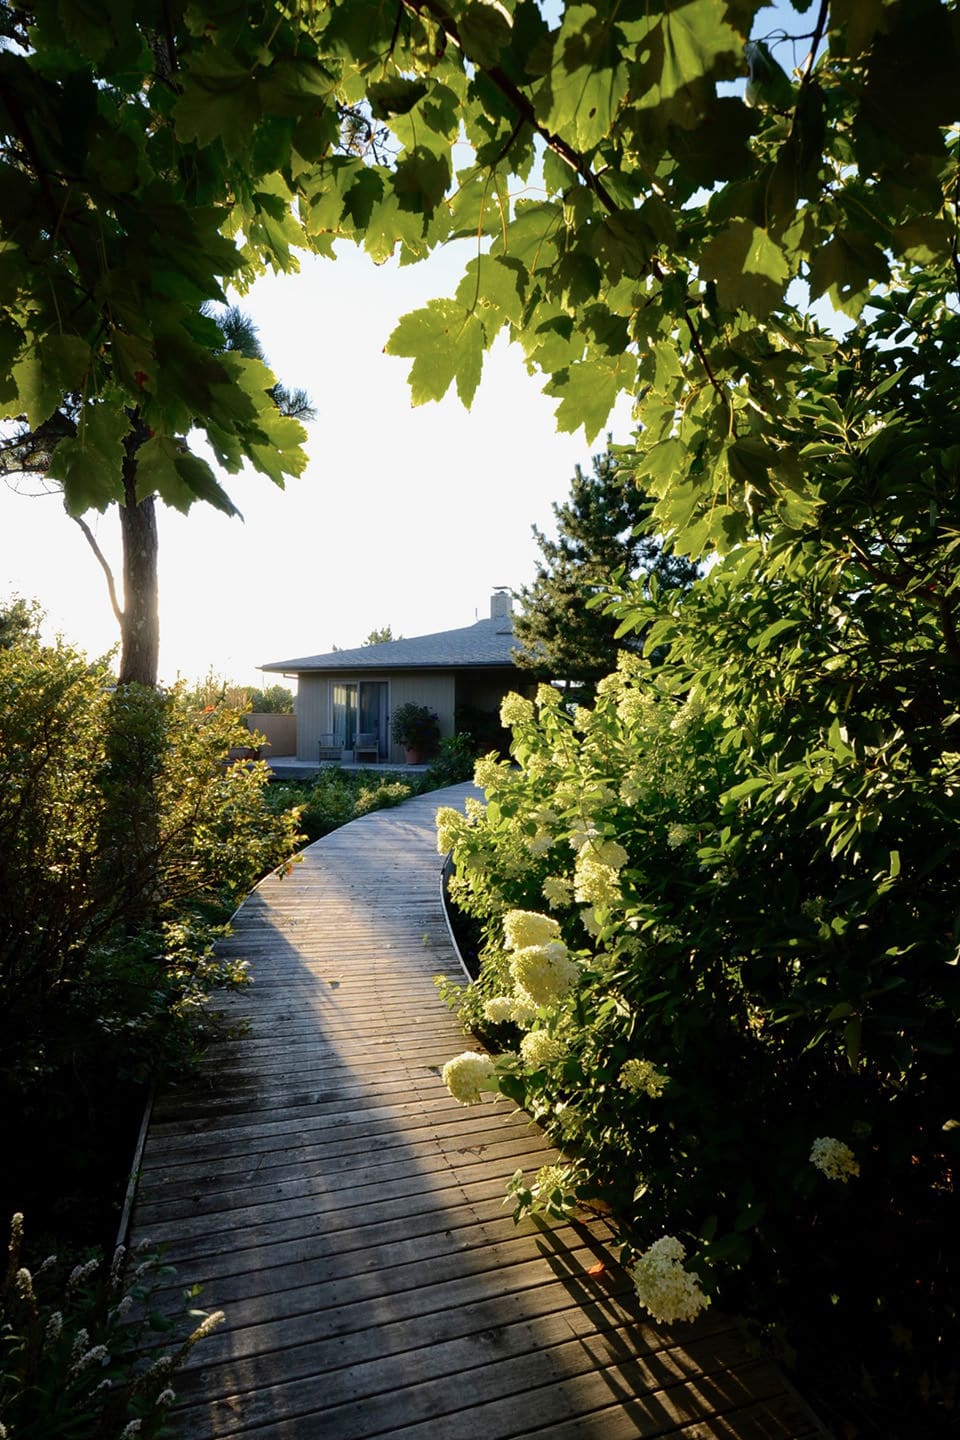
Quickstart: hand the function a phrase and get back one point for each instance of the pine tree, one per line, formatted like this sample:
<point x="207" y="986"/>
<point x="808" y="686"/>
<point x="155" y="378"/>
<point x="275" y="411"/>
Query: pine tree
<point x="600" y="534"/>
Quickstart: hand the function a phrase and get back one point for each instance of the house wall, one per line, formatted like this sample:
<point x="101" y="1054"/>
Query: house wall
<point x="314" y="704"/>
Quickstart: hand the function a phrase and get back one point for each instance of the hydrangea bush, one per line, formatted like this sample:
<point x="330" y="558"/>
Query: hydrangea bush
<point x="694" y="972"/>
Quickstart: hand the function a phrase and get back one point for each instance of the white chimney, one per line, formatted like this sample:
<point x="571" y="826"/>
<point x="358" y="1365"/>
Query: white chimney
<point x="501" y="604"/>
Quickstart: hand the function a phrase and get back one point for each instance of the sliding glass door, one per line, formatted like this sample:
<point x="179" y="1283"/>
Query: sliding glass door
<point x="360" y="706"/>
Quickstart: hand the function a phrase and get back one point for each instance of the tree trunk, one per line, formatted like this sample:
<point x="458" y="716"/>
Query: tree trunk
<point x="140" y="627"/>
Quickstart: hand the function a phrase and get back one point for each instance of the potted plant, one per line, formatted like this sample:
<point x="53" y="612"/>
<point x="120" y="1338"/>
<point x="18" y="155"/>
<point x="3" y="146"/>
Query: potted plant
<point x="417" y="729"/>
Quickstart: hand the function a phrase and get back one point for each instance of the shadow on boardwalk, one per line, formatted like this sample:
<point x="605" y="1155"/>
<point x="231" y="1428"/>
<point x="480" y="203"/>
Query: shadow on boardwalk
<point x="327" y="1193"/>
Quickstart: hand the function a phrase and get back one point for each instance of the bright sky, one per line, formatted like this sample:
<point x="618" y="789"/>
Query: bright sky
<point x="405" y="516"/>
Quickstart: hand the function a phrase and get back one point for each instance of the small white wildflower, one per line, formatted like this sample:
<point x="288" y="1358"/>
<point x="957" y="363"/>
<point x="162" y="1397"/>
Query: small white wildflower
<point x="97" y="1355"/>
<point x="523" y="928"/>
<point x="133" y="1428"/>
<point x="207" y="1326"/>
<point x="663" y="1286"/>
<point x="166" y="1397"/>
<point x="24" y="1283"/>
<point x="540" y="1048"/>
<point x="81" y="1343"/>
<point x="498" y="1009"/>
<point x="80" y="1273"/>
<point x="642" y="1075"/>
<point x="466" y="1075"/>
<point x="836" y="1160"/>
<point x="54" y="1327"/>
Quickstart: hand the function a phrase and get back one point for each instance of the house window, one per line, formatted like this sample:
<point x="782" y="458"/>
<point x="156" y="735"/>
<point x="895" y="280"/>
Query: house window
<point x="360" y="705"/>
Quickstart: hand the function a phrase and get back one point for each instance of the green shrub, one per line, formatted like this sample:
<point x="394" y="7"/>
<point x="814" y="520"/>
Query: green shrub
<point x="454" y="763"/>
<point x="125" y="840"/>
<point x="761" y="906"/>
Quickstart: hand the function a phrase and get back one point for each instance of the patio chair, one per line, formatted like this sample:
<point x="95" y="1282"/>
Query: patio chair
<point x="330" y="750"/>
<point x="366" y="743"/>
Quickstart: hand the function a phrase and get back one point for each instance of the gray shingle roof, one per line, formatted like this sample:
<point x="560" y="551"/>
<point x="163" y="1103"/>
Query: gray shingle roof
<point x="486" y="643"/>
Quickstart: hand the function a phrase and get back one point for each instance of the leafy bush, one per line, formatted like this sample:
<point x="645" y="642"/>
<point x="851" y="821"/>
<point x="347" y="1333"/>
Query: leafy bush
<point x="754" y="1061"/>
<point x="72" y="1337"/>
<point x="126" y="841"/>
<point x="454" y="763"/>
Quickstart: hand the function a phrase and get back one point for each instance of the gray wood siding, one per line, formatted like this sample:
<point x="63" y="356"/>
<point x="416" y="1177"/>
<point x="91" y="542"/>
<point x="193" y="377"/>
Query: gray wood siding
<point x="437" y="691"/>
<point x="315" y="709"/>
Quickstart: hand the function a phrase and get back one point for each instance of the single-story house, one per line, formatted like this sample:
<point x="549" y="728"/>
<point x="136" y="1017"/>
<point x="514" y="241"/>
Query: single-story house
<point x="455" y="673"/>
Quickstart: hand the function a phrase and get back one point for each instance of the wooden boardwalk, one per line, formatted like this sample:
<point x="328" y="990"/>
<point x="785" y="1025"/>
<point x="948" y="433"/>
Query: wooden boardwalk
<point x="348" y="1216"/>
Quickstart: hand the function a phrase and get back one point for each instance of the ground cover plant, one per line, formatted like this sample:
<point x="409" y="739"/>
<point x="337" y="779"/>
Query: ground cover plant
<point x="335" y="796"/>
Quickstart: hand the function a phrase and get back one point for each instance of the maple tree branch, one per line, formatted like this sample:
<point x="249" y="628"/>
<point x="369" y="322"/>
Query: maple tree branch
<point x="104" y="564"/>
<point x="576" y="161"/>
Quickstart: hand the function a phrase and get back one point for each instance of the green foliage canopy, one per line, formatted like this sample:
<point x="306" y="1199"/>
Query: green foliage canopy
<point x="119" y="222"/>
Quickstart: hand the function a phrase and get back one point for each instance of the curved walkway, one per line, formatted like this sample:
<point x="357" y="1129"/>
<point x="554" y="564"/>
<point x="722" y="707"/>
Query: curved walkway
<point x="327" y="1193"/>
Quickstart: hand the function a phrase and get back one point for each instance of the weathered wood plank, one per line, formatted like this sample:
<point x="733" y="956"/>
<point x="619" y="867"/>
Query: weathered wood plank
<point x="319" y="1183"/>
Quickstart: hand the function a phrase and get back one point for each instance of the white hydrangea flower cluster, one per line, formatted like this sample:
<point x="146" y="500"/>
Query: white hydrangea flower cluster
<point x="540" y="1048"/>
<point x="450" y="827"/>
<point x="548" y="697"/>
<point x="678" y="835"/>
<point x="631" y="789"/>
<point x="836" y="1160"/>
<point x="466" y="1075"/>
<point x="524" y="1011"/>
<point x="595" y="883"/>
<point x="582" y="835"/>
<point x="668" y="1291"/>
<point x="522" y="928"/>
<point x="489" y="772"/>
<point x="515" y="710"/>
<point x="550" y="1178"/>
<point x="590" y="923"/>
<point x="557" y="891"/>
<point x="540" y="843"/>
<point x="642" y="1075"/>
<point x="498" y="1009"/>
<point x="544" y="973"/>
